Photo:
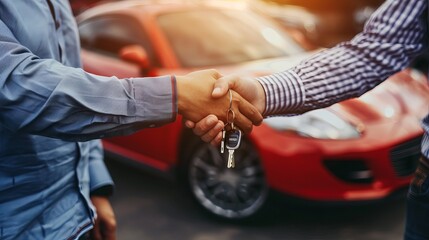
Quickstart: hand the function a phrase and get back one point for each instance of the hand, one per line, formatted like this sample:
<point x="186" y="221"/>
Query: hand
<point x="105" y="224"/>
<point x="249" y="88"/>
<point x="208" y="129"/>
<point x="195" y="101"/>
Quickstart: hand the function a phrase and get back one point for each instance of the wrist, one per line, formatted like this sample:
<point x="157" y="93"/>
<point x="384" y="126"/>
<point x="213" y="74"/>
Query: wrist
<point x="260" y="98"/>
<point x="181" y="85"/>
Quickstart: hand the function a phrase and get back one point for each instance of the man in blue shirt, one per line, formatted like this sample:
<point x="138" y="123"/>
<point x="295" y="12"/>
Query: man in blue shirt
<point x="51" y="111"/>
<point x="394" y="35"/>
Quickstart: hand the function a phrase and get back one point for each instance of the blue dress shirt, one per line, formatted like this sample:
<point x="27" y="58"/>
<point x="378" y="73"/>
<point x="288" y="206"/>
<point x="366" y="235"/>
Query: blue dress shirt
<point x="50" y="112"/>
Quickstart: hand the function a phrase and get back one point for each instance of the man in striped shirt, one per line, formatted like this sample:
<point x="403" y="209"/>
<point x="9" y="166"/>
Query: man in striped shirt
<point x="394" y="35"/>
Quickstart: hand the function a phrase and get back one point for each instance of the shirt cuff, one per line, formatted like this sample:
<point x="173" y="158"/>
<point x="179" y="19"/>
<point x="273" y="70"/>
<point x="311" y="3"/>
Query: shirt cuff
<point x="99" y="176"/>
<point x="284" y="91"/>
<point x="156" y="99"/>
<point x="103" y="191"/>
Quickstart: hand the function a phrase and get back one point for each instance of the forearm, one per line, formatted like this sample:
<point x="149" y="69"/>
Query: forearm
<point x="44" y="97"/>
<point x="386" y="46"/>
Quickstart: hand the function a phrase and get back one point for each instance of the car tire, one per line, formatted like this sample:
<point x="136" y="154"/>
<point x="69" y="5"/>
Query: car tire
<point x="237" y="193"/>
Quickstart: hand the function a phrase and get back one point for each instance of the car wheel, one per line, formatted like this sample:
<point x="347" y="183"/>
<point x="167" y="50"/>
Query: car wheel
<point x="231" y="193"/>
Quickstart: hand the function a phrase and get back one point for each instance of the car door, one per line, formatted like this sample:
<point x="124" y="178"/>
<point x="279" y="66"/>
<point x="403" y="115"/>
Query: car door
<point x="102" y="39"/>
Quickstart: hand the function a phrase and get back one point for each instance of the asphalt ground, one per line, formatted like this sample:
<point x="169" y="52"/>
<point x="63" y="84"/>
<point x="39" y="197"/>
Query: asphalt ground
<point x="149" y="207"/>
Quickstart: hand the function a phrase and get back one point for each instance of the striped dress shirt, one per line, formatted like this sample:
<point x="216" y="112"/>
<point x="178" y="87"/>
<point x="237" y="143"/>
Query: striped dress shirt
<point x="394" y="35"/>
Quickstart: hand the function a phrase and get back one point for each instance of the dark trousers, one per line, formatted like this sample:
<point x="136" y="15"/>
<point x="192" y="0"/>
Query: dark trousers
<point x="417" y="216"/>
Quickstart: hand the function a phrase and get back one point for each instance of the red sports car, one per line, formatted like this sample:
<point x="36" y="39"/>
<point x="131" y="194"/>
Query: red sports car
<point x="359" y="150"/>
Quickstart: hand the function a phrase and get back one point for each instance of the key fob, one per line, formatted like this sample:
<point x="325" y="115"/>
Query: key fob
<point x="233" y="139"/>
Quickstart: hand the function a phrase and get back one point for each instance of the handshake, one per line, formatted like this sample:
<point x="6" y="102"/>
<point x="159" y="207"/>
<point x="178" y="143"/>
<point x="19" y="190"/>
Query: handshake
<point x="204" y="102"/>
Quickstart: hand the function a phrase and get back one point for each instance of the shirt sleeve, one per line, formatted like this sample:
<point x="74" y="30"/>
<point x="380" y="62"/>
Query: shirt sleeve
<point x="100" y="180"/>
<point x="392" y="37"/>
<point x="44" y="97"/>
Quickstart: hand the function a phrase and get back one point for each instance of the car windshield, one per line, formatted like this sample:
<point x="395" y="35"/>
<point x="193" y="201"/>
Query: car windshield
<point x="213" y="38"/>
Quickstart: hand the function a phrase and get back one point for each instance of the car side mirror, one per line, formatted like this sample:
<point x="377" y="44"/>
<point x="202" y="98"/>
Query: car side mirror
<point x="135" y="54"/>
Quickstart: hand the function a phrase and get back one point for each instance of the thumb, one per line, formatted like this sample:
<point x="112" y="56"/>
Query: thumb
<point x="222" y="85"/>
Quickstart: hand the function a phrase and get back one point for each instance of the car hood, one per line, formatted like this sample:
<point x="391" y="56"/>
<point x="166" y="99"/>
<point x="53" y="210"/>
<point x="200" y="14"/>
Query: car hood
<point x="265" y="67"/>
<point x="403" y="94"/>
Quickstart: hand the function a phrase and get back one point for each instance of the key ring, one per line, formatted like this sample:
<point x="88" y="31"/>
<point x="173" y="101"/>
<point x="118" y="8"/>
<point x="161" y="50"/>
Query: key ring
<point x="230" y="98"/>
<point x="230" y="112"/>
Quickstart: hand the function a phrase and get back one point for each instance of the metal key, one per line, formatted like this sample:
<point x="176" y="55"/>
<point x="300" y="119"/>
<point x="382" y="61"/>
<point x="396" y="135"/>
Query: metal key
<point x="232" y="142"/>
<point x="222" y="143"/>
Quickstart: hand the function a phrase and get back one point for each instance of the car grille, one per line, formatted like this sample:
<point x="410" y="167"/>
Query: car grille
<point x="405" y="157"/>
<point x="350" y="170"/>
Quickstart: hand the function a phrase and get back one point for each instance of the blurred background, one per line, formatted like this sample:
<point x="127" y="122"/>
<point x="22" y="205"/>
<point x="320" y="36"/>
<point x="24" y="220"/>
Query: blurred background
<point x="325" y="23"/>
<point x="337" y="173"/>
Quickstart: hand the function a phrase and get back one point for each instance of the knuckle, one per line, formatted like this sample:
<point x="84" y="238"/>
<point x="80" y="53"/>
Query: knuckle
<point x="197" y="132"/>
<point x="212" y="134"/>
<point x="237" y="99"/>
<point x="112" y="224"/>
<point x="248" y="128"/>
<point x="206" y="138"/>
<point x="203" y="126"/>
<point x="213" y="71"/>
<point x="216" y="141"/>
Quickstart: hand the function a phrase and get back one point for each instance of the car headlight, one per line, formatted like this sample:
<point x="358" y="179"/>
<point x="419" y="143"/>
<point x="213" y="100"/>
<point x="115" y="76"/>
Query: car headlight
<point x="321" y="124"/>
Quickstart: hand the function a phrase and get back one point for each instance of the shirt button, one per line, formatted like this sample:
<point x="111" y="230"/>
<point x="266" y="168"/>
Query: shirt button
<point x="57" y="24"/>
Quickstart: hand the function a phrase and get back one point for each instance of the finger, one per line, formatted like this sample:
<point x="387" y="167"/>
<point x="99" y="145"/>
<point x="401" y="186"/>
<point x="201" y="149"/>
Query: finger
<point x="108" y="229"/>
<point x="111" y="235"/>
<point x="246" y="114"/>
<point x="250" y="112"/>
<point x="216" y="141"/>
<point x="222" y="85"/>
<point x="213" y="133"/>
<point x="95" y="232"/>
<point x="240" y="120"/>
<point x="205" y="124"/>
<point x="243" y="123"/>
<point x="189" y="124"/>
<point x="216" y="74"/>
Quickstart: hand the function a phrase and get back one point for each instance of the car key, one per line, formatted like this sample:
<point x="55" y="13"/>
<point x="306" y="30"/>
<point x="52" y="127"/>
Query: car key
<point x="222" y="143"/>
<point x="232" y="142"/>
